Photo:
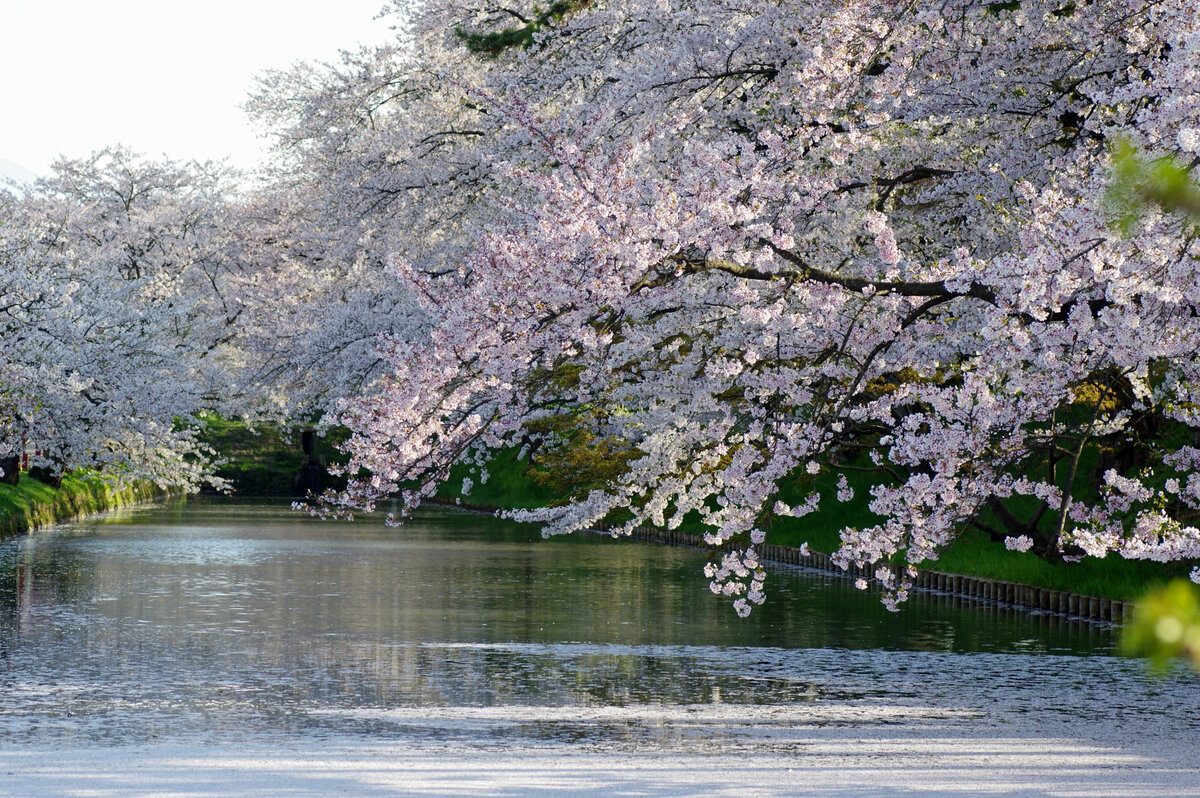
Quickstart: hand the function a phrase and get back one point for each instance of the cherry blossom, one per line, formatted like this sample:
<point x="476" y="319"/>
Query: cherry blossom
<point x="761" y="244"/>
<point x="117" y="304"/>
<point x="760" y="240"/>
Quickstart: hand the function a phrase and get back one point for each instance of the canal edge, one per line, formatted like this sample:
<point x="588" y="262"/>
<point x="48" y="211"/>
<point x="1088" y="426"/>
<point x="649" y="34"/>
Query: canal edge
<point x="74" y="506"/>
<point x="995" y="591"/>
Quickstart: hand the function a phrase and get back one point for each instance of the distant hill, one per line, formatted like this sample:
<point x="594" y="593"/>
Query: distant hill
<point x="14" y="171"/>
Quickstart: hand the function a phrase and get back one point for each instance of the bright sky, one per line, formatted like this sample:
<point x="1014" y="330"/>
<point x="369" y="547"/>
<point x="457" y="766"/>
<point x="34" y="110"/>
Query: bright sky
<point x="160" y="76"/>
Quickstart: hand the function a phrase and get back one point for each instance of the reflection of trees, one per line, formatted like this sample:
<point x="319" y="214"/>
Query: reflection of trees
<point x="453" y="609"/>
<point x="41" y="573"/>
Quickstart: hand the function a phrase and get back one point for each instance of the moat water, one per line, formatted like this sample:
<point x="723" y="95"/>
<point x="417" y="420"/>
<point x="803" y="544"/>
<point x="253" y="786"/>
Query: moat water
<point x="224" y="622"/>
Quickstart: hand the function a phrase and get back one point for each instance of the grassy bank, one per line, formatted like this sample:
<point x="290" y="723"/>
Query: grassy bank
<point x="510" y="485"/>
<point x="974" y="554"/>
<point x="31" y="504"/>
<point x="513" y="485"/>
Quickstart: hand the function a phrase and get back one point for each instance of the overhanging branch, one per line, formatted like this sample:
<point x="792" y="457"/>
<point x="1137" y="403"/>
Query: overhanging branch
<point x="799" y="270"/>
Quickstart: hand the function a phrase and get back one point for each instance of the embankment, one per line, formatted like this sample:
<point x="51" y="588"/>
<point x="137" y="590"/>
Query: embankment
<point x="30" y="504"/>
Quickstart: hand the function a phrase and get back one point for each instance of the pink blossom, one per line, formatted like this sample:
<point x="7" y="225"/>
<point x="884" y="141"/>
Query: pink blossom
<point x="902" y="264"/>
<point x="1019" y="543"/>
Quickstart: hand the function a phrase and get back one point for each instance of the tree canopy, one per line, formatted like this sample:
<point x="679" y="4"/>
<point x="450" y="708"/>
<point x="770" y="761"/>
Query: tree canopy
<point x="754" y="242"/>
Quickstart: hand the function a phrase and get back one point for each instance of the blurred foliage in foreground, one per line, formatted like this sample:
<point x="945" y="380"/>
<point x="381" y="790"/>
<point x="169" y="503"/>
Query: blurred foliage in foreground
<point x="1166" y="622"/>
<point x="1166" y="625"/>
<point x="1139" y="181"/>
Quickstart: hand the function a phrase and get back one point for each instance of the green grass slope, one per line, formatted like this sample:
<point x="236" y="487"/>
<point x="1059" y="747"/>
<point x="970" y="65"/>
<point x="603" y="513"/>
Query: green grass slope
<point x="512" y="485"/>
<point x="30" y="504"/>
<point x="263" y="460"/>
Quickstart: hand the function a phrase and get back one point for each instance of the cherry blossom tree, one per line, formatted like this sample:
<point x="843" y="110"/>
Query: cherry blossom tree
<point x="314" y="300"/>
<point x="373" y="159"/>
<point x="118" y="304"/>
<point x="759" y="240"/>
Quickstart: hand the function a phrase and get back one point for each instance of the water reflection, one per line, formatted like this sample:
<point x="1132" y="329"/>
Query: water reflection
<point x="214" y="571"/>
<point x="243" y="620"/>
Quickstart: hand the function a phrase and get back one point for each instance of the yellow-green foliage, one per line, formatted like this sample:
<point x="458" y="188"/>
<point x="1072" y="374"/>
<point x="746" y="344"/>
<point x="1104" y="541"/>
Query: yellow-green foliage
<point x="1139" y="181"/>
<point x="582" y="463"/>
<point x="892" y="381"/>
<point x="1094" y="395"/>
<point x="1166" y="625"/>
<point x="563" y="377"/>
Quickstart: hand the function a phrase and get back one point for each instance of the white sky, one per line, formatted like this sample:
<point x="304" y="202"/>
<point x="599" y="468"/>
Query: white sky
<point x="160" y="76"/>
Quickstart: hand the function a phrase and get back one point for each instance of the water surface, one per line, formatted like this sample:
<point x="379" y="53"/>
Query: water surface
<point x="231" y="622"/>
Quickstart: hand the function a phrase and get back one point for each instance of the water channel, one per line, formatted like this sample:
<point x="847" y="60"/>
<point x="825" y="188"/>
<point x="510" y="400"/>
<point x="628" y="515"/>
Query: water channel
<point x="244" y="623"/>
